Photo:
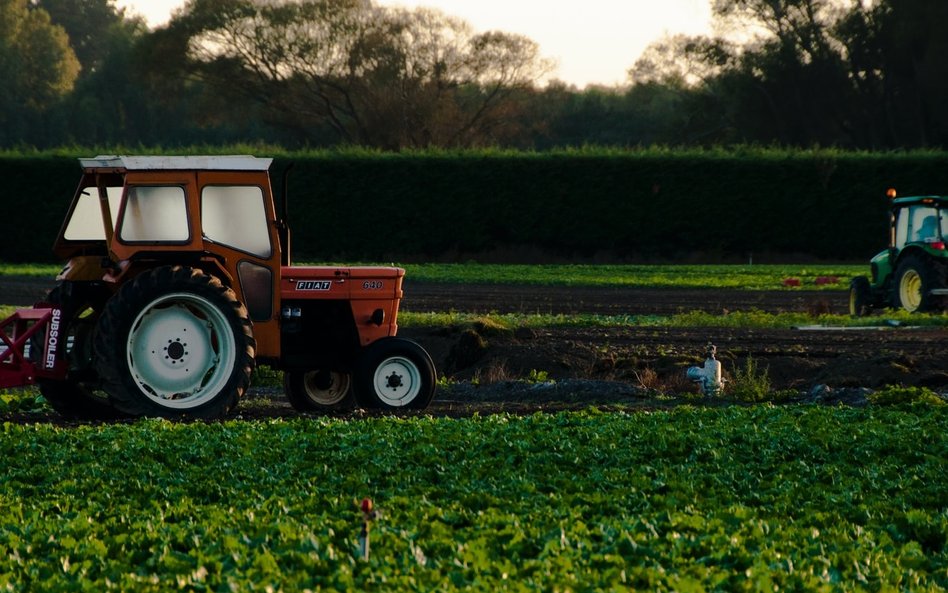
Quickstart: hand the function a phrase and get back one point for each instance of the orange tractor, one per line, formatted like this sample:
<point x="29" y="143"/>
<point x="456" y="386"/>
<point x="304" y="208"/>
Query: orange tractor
<point x="178" y="280"/>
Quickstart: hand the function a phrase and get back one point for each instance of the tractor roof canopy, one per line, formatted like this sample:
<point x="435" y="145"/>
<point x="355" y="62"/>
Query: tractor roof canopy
<point x="119" y="163"/>
<point x="941" y="201"/>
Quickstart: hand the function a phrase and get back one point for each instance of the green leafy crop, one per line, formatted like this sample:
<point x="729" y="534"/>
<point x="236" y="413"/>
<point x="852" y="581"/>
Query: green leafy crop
<point x="717" y="499"/>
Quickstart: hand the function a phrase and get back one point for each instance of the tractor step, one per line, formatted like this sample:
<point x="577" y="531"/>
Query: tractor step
<point x="939" y="291"/>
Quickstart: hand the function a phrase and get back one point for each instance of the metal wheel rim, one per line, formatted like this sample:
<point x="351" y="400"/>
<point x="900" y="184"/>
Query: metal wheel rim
<point x="181" y="351"/>
<point x="397" y="381"/>
<point x="852" y="303"/>
<point x="335" y="393"/>
<point x="910" y="290"/>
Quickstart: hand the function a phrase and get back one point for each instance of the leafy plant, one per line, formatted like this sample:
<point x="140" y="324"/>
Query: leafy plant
<point x="535" y="376"/>
<point x="891" y="395"/>
<point x="750" y="384"/>
<point x="268" y="376"/>
<point x="22" y="400"/>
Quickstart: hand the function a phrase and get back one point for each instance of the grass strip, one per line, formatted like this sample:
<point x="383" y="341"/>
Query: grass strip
<point x="744" y="277"/>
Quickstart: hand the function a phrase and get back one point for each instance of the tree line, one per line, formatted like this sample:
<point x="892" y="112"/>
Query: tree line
<point x="854" y="74"/>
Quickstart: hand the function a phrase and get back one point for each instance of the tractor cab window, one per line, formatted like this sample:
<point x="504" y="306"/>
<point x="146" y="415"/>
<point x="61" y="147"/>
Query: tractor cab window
<point x="917" y="224"/>
<point x="85" y="223"/>
<point x="155" y="214"/>
<point x="234" y="215"/>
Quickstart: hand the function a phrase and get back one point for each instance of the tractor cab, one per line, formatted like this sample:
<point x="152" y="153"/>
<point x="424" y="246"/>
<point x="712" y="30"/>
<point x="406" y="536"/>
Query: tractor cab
<point x="920" y="221"/>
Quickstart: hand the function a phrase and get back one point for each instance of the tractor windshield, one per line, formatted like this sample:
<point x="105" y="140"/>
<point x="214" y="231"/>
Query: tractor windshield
<point x="85" y="222"/>
<point x="919" y="224"/>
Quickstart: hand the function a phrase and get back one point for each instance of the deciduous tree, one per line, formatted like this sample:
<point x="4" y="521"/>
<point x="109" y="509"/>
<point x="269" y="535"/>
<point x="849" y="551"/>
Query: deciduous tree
<point x="376" y="76"/>
<point x="37" y="67"/>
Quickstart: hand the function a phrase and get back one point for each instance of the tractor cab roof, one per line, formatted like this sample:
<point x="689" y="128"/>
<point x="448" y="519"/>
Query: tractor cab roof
<point x="941" y="201"/>
<point x="122" y="163"/>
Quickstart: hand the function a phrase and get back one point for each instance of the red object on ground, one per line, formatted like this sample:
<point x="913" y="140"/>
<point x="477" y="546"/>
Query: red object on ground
<point x="791" y="282"/>
<point x="820" y="280"/>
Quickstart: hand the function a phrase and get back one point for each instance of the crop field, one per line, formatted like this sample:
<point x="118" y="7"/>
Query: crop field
<point x="564" y="451"/>
<point x="804" y="498"/>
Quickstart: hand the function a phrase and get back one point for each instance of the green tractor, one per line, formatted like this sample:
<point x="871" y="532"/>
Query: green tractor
<point x="912" y="273"/>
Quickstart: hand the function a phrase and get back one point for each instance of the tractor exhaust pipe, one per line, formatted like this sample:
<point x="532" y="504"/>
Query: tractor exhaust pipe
<point x="283" y="226"/>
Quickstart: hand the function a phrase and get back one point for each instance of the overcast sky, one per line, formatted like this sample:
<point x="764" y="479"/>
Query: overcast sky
<point x="592" y="41"/>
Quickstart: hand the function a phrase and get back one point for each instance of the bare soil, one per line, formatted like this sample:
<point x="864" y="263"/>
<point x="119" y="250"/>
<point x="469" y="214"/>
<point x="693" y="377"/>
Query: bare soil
<point x="554" y="368"/>
<point x="657" y="358"/>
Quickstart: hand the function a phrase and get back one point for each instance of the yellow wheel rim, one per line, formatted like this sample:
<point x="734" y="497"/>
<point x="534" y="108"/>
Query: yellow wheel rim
<point x="910" y="291"/>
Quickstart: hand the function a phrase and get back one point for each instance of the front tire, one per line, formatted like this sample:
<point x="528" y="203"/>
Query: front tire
<point x="860" y="296"/>
<point x="914" y="279"/>
<point x="395" y="374"/>
<point x="319" y="390"/>
<point x="175" y="342"/>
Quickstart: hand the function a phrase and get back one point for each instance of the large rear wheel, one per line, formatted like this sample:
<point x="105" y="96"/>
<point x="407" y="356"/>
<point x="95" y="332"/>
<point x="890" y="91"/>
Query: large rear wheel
<point x="175" y="342"/>
<point x="393" y="374"/>
<point x="914" y="280"/>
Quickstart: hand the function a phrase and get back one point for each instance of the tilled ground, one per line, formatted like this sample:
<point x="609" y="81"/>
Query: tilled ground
<point x="508" y="298"/>
<point x="555" y="368"/>
<point x="657" y="358"/>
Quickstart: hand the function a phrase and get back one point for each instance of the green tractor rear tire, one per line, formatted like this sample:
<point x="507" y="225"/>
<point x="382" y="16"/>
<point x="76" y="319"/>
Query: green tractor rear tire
<point x="914" y="280"/>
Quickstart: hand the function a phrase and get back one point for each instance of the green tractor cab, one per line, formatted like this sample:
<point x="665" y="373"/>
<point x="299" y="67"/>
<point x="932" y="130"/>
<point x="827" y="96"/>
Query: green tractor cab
<point x="912" y="273"/>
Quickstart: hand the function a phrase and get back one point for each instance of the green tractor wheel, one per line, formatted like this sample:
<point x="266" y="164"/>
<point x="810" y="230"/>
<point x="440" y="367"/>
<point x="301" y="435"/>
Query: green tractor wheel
<point x="914" y="280"/>
<point x="860" y="296"/>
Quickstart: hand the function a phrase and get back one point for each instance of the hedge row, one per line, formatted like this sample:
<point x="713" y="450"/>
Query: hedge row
<point x="571" y="205"/>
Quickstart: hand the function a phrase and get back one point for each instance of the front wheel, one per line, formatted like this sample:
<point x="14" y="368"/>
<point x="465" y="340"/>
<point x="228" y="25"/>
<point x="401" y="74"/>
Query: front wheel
<point x="393" y="374"/>
<point x="860" y="296"/>
<point x="319" y="390"/>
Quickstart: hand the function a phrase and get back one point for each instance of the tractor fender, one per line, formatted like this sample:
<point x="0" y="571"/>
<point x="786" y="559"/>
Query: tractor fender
<point x="127" y="270"/>
<point x="82" y="268"/>
<point x="916" y="251"/>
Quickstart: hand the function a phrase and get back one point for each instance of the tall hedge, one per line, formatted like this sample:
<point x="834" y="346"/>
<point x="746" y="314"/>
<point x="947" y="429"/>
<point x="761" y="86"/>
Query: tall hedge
<point x="616" y="205"/>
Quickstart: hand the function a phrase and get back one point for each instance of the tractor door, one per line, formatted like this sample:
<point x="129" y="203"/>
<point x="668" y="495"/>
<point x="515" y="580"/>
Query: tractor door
<point x="238" y="224"/>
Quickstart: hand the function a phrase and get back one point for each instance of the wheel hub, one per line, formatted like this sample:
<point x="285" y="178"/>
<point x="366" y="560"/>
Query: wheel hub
<point x="394" y="381"/>
<point x="325" y="388"/>
<point x="397" y="381"/>
<point x="911" y="291"/>
<point x="175" y="350"/>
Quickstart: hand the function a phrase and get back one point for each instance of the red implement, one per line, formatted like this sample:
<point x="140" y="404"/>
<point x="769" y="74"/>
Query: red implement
<point x="20" y="329"/>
